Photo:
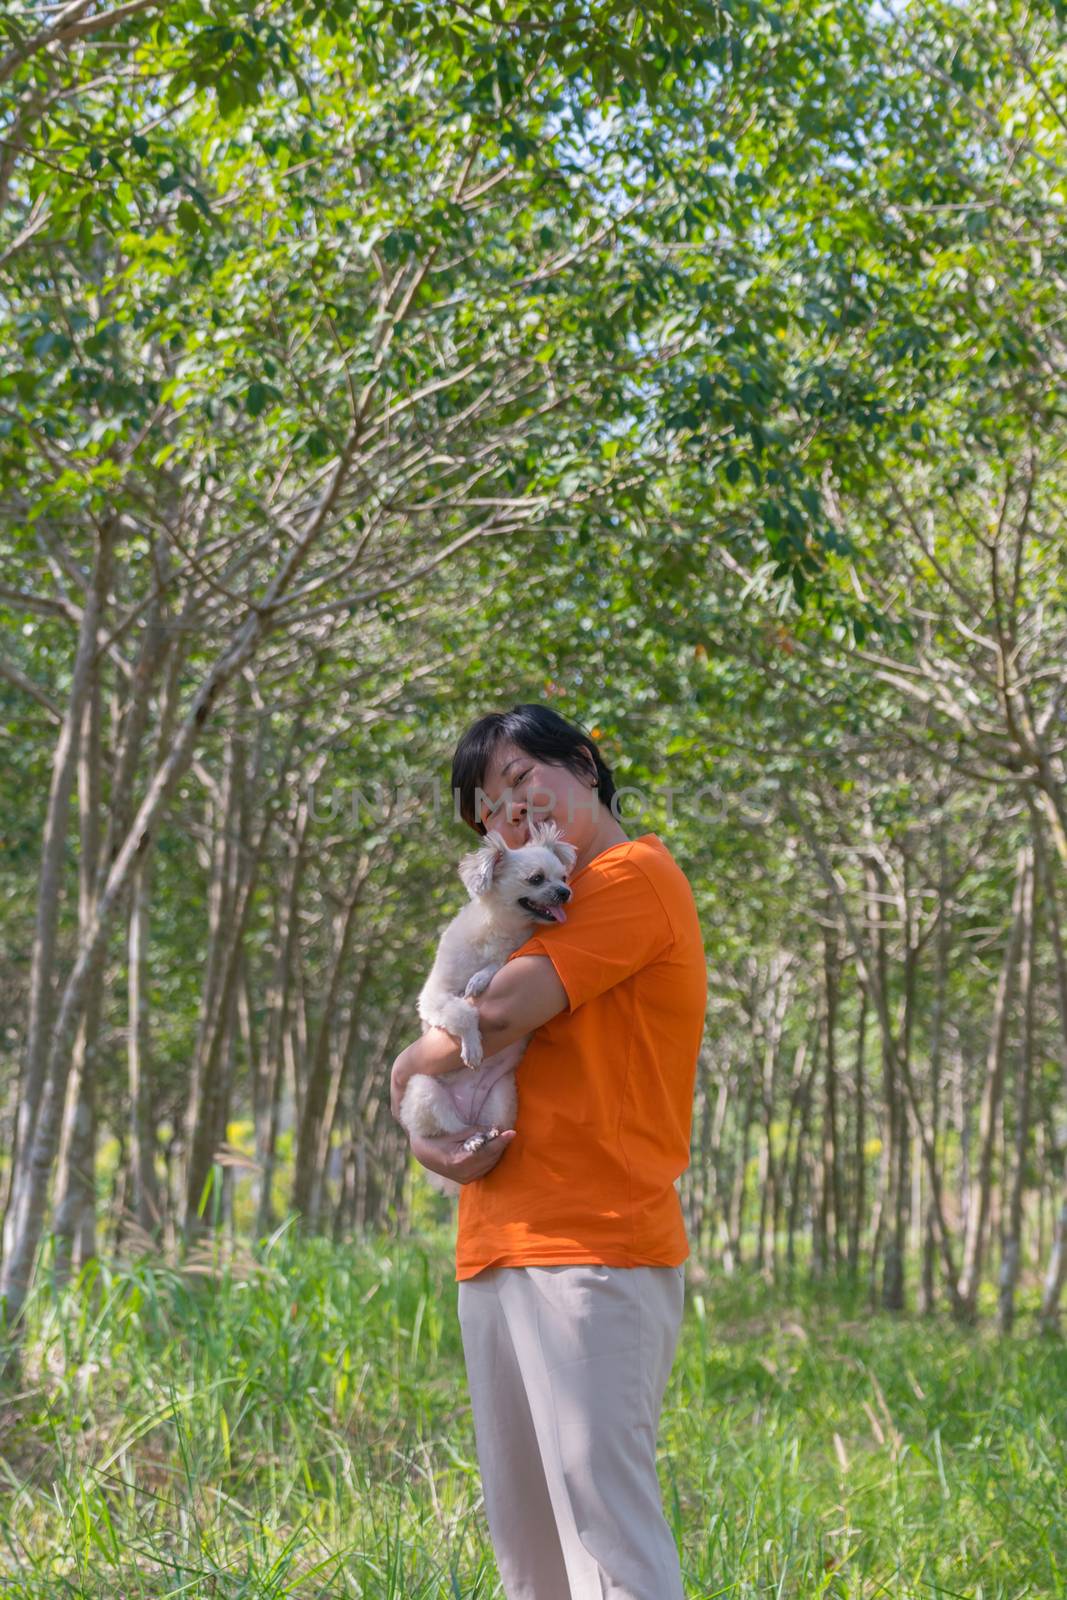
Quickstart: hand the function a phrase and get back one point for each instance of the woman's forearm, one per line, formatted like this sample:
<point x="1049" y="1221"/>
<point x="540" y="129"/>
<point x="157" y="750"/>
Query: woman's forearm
<point x="434" y="1053"/>
<point x="524" y="994"/>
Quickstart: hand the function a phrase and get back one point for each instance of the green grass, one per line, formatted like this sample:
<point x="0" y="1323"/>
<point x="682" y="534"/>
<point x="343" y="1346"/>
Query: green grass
<point x="298" y="1424"/>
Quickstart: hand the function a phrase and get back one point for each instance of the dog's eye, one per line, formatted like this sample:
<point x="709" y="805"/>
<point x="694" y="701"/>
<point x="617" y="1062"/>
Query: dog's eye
<point x="538" y="877"/>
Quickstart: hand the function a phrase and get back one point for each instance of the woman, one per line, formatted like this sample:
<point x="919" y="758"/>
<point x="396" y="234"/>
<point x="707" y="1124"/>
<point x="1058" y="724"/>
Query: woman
<point x="571" y="1245"/>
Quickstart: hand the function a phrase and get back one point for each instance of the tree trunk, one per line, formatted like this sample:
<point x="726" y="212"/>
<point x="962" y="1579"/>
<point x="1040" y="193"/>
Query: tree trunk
<point x="269" y="1078"/>
<point x="830" y="1205"/>
<point x="694" y="1178"/>
<point x="890" y="1199"/>
<point x="75" y="1208"/>
<point x="858" y="1212"/>
<point x="857" y="1215"/>
<point x="736" y="1221"/>
<point x="711" y="1159"/>
<point x="344" y="1063"/>
<point x="903" y="1076"/>
<point x="1012" y="1228"/>
<point x="46" y="1081"/>
<point x="971" y="1270"/>
<point x="806" y="1096"/>
<point x="147" y="1200"/>
<point x="27" y="1196"/>
<point x="318" y="1087"/>
<point x="199" y="1135"/>
<point x="239" y="861"/>
<point x="1056" y="1272"/>
<point x="927" y="1291"/>
<point x="870" y="976"/>
<point x="765" y="1071"/>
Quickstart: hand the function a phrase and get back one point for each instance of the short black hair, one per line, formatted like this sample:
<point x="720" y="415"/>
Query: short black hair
<point x="537" y="730"/>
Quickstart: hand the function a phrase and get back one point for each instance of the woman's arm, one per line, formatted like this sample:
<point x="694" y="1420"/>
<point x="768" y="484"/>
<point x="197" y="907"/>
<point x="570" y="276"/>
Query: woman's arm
<point x="524" y="994"/>
<point x="436" y="1052"/>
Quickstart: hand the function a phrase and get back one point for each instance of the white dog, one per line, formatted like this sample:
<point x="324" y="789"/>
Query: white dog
<point x="510" y="890"/>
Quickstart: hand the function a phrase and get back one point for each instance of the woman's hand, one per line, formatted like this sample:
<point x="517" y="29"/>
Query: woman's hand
<point x="446" y="1156"/>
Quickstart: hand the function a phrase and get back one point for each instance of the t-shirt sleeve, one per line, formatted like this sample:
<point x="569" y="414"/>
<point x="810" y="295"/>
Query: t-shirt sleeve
<point x="616" y="924"/>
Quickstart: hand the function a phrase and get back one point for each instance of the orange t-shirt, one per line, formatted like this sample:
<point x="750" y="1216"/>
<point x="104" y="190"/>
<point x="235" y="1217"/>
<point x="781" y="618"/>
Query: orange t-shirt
<point x="605" y="1087"/>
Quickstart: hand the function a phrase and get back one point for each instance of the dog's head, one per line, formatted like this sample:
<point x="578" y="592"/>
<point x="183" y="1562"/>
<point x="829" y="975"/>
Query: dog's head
<point x="530" y="881"/>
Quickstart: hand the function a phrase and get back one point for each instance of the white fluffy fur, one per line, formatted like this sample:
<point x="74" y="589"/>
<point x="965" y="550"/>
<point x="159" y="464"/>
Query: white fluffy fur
<point x="474" y="946"/>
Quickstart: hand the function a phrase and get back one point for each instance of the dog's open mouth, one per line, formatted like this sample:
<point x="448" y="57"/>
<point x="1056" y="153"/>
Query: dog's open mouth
<point x="547" y="913"/>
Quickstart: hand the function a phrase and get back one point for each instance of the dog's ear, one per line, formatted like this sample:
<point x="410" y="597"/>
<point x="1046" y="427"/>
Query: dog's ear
<point x="548" y="834"/>
<point x="567" y="854"/>
<point x="545" y="832"/>
<point x="479" y="868"/>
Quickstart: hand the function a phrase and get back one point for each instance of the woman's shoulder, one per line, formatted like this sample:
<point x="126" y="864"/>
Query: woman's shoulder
<point x="647" y="861"/>
<point x="654" y="857"/>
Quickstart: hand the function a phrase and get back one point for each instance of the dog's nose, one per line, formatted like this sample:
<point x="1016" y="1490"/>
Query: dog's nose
<point x="562" y="892"/>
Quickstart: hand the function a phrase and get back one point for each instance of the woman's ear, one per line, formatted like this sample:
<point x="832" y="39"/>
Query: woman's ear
<point x="592" y="776"/>
<point x="479" y="868"/>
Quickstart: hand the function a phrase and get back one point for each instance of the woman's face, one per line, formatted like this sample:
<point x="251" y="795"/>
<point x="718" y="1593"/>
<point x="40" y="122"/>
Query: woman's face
<point x="530" y="789"/>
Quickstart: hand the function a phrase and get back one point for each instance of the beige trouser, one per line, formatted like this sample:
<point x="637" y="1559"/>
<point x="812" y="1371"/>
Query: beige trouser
<point x="567" y="1367"/>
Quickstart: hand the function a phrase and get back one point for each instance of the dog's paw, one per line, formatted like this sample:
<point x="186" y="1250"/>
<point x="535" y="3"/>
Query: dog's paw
<point x="479" y="1140"/>
<point x="481" y="980"/>
<point x="470" y="1050"/>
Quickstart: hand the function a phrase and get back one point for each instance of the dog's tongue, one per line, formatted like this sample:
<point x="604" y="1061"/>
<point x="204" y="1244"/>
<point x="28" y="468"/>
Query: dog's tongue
<point x="556" y="912"/>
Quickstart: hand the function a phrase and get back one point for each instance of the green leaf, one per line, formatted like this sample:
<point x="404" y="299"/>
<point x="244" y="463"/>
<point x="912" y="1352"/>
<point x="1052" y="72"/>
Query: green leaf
<point x="188" y="217"/>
